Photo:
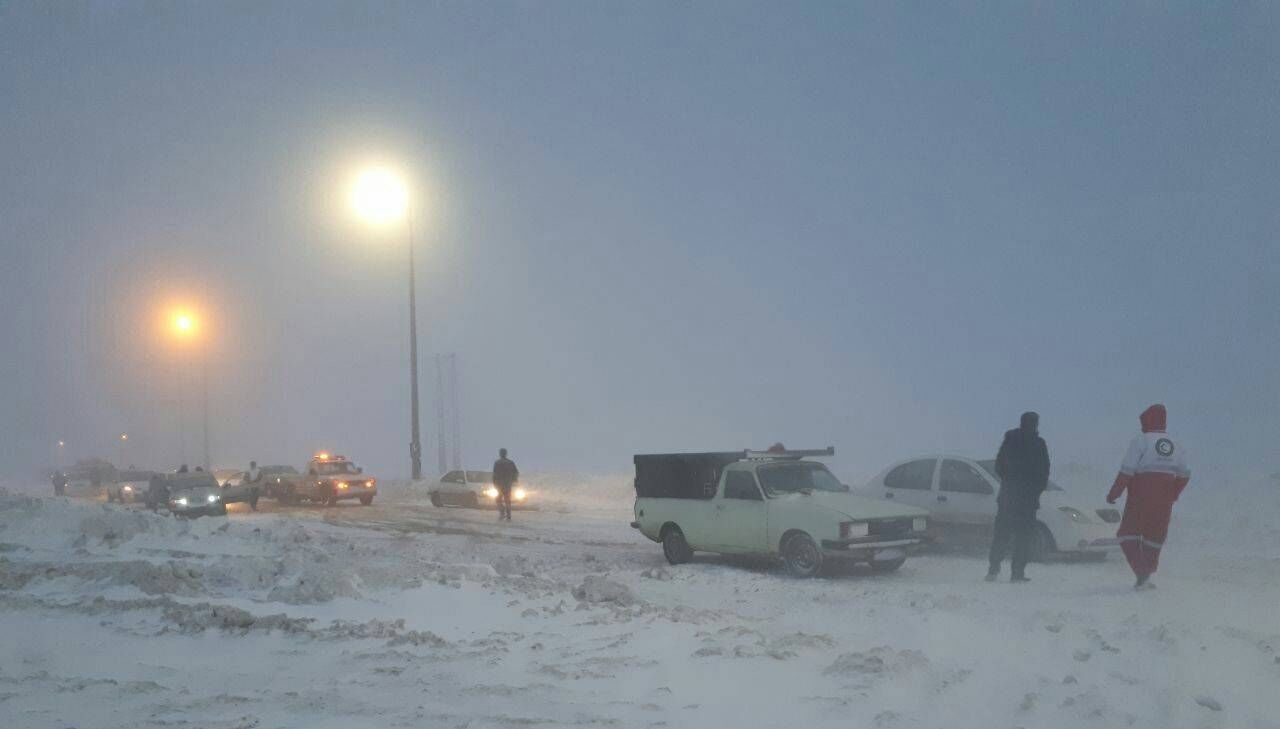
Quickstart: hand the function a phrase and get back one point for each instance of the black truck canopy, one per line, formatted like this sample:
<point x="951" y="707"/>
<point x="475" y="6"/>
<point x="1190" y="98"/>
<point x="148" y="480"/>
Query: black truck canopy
<point x="696" y="475"/>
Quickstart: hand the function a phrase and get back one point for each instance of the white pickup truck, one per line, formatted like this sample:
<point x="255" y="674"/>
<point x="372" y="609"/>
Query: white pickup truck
<point x="768" y="503"/>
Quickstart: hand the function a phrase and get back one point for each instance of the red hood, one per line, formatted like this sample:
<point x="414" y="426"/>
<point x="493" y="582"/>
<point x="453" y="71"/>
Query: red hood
<point x="1153" y="419"/>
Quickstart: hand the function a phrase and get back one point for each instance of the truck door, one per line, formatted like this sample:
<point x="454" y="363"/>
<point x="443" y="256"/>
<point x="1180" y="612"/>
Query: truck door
<point x="739" y="518"/>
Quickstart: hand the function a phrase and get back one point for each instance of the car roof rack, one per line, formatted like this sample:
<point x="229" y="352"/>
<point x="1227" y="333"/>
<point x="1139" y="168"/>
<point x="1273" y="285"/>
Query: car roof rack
<point x="787" y="455"/>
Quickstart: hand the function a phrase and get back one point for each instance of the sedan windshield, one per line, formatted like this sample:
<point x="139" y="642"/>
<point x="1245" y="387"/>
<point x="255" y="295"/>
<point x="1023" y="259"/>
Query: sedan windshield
<point x="800" y="476"/>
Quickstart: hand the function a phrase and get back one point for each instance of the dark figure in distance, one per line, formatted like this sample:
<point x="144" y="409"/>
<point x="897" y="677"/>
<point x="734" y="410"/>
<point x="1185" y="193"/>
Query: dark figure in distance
<point x="505" y="475"/>
<point x="1023" y="467"/>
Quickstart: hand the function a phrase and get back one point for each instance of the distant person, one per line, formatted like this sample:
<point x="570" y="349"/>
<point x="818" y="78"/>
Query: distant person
<point x="182" y="468"/>
<point x="505" y="475"/>
<point x="1154" y="472"/>
<point x="1023" y="467"/>
<point x="254" y="473"/>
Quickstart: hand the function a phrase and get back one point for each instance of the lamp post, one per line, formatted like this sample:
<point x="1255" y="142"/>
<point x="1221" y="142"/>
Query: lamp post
<point x="381" y="198"/>
<point x="185" y="328"/>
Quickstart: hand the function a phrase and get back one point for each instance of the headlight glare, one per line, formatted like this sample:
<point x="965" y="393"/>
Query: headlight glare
<point x="1074" y="514"/>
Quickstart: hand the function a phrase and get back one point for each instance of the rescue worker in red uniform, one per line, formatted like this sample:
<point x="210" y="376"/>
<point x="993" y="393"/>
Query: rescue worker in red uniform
<point x="1154" y="473"/>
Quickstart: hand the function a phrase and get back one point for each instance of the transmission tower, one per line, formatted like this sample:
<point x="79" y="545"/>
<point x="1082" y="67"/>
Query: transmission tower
<point x="442" y="444"/>
<point x="448" y="415"/>
<point x="456" y="415"/>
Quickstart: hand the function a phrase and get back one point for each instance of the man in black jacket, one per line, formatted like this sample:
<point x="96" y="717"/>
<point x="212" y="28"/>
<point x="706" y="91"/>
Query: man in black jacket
<point x="505" y="475"/>
<point x="1023" y="468"/>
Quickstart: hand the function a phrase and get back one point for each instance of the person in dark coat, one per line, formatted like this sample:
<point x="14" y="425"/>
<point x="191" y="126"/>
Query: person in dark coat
<point x="1023" y="467"/>
<point x="505" y="475"/>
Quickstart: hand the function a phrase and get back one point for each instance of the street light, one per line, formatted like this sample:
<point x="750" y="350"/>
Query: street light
<point x="380" y="197"/>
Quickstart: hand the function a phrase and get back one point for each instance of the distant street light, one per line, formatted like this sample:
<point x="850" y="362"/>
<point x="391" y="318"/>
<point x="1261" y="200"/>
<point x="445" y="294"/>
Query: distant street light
<point x="380" y="197"/>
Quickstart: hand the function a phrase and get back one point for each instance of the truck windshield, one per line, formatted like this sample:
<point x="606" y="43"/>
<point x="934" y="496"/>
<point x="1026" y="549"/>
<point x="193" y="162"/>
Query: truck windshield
<point x="801" y="476"/>
<point x="335" y="467"/>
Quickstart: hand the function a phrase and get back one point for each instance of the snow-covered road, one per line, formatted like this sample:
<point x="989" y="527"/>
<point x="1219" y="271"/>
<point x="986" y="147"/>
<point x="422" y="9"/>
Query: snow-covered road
<point x="402" y="614"/>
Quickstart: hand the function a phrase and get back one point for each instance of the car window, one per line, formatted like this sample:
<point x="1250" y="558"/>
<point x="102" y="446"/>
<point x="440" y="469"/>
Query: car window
<point x="960" y="477"/>
<point x="452" y="477"/>
<point x="913" y="475"/>
<point x="990" y="467"/>
<point x="798" y="476"/>
<point x="741" y="485"/>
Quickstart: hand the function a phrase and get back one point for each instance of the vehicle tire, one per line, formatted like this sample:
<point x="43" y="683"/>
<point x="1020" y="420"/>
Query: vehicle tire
<point x="887" y="566"/>
<point x="436" y="501"/>
<point x="674" y="546"/>
<point x="1042" y="543"/>
<point x="801" y="555"/>
<point x="331" y="499"/>
<point x="366" y="500"/>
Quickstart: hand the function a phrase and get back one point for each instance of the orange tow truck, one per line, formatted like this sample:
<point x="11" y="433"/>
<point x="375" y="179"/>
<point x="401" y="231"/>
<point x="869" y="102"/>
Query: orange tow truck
<point x="327" y="479"/>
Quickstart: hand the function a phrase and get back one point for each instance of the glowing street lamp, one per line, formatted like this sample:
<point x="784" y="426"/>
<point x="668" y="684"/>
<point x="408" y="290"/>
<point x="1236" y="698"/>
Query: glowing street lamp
<point x="380" y="198"/>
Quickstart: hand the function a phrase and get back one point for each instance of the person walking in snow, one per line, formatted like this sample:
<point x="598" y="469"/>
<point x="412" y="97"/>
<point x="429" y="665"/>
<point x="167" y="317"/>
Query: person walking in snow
<point x="505" y="475"/>
<point x="1153" y="474"/>
<point x="1023" y="467"/>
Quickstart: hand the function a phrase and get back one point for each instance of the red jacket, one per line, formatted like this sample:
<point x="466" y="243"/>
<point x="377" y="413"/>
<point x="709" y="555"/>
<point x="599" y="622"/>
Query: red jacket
<point x="1155" y="467"/>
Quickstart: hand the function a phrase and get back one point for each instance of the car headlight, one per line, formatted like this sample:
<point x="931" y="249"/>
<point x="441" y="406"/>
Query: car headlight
<point x="519" y="494"/>
<point x="127" y="489"/>
<point x="342" y="484"/>
<point x="180" y="501"/>
<point x="919" y="524"/>
<point x="368" y="484"/>
<point x="213" y="498"/>
<point x="854" y="529"/>
<point x="491" y="492"/>
<point x="1074" y="514"/>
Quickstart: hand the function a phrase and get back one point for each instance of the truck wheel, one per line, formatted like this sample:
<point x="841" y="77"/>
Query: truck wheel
<point x="674" y="546"/>
<point x="1042" y="543"/>
<point x="331" y="499"/>
<point x="436" y="501"/>
<point x="366" y="500"/>
<point x="801" y="555"/>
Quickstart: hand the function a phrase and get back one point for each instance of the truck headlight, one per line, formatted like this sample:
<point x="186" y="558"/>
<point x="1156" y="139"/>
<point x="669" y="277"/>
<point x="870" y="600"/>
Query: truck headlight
<point x="519" y="494"/>
<point x="180" y="501"/>
<point x="1074" y="514"/>
<point x="854" y="529"/>
<point x="342" y="484"/>
<point x="368" y="484"/>
<point x="213" y="498"/>
<point x="919" y="524"/>
<point x="491" y="492"/>
<point x="127" y="489"/>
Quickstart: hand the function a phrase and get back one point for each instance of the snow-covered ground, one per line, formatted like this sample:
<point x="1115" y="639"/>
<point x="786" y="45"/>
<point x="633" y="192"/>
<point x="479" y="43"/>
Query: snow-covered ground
<point x="401" y="614"/>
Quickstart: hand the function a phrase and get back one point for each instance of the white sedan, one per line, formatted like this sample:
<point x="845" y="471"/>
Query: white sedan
<point x="473" y="489"/>
<point x="960" y="494"/>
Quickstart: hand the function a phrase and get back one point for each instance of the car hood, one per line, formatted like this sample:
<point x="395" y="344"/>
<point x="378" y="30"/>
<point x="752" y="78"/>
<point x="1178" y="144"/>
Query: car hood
<point x="1054" y="499"/>
<point x="859" y="508"/>
<point x="196" y="493"/>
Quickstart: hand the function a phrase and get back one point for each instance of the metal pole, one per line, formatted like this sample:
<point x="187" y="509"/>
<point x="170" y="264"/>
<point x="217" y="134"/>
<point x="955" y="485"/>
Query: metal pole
<point x="204" y="366"/>
<point x="415" y="445"/>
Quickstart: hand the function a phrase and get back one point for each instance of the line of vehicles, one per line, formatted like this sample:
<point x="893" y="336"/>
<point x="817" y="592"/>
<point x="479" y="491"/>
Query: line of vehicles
<point x="778" y="503"/>
<point x="326" y="479"/>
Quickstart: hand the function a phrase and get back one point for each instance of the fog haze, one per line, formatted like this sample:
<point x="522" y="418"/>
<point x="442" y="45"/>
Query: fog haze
<point x="641" y="227"/>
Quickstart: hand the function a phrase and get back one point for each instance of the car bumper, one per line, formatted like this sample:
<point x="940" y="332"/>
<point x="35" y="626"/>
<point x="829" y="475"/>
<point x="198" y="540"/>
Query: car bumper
<point x="867" y="547"/>
<point x="1102" y="544"/>
<point x="355" y="493"/>
<point x="218" y="509"/>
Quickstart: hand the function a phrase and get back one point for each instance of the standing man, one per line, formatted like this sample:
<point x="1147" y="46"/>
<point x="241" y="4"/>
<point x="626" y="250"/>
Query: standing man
<point x="1023" y="467"/>
<point x="254" y="473"/>
<point x="1154" y="472"/>
<point x="505" y="475"/>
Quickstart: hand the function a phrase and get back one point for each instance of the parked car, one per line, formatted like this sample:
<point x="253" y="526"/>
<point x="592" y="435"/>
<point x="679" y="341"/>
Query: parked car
<point x="960" y="494"/>
<point x="186" y="494"/>
<point x="236" y="490"/>
<point x="88" y="478"/>
<point x="130" y="486"/>
<point x="473" y="489"/>
<point x="768" y="503"/>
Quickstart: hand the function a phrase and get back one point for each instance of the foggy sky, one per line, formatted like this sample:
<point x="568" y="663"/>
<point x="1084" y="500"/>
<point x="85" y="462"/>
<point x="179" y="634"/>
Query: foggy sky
<point x="642" y="227"/>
